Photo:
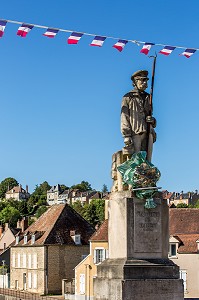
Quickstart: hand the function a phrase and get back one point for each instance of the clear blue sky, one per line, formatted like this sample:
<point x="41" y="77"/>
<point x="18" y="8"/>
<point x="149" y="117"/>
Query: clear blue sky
<point x="60" y="103"/>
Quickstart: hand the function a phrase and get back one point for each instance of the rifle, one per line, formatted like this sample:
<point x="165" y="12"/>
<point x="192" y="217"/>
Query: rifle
<point x="149" y="136"/>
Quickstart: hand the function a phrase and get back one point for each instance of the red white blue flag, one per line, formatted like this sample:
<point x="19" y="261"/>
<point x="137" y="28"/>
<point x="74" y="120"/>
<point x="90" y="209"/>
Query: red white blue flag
<point x="2" y="27"/>
<point x="98" y="41"/>
<point x="167" y="50"/>
<point x="120" y="45"/>
<point x="51" y="33"/>
<point x="74" y="38"/>
<point x="188" y="52"/>
<point x="24" y="29"/>
<point x="146" y="48"/>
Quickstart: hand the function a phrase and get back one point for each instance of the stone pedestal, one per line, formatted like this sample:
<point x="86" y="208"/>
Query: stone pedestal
<point x="138" y="267"/>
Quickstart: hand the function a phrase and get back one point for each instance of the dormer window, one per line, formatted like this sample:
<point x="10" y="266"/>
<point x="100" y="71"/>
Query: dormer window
<point x="17" y="240"/>
<point x="172" y="250"/>
<point x="76" y="237"/>
<point x="32" y="239"/>
<point x="25" y="239"/>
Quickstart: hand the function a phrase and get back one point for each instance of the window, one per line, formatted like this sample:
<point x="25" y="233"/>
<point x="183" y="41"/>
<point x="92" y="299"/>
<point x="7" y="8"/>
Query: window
<point x="19" y="260"/>
<point x="99" y="255"/>
<point x="25" y="239"/>
<point x="13" y="260"/>
<point x="29" y="261"/>
<point x="34" y="281"/>
<point x="172" y="250"/>
<point x="82" y="283"/>
<point x="183" y="276"/>
<point x="17" y="240"/>
<point x="33" y="239"/>
<point x="77" y="239"/>
<point x="34" y="261"/>
<point x="24" y="260"/>
<point x="29" y="280"/>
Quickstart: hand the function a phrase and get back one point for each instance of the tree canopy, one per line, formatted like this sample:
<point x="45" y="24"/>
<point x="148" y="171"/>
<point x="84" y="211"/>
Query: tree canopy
<point x="7" y="184"/>
<point x="83" y="186"/>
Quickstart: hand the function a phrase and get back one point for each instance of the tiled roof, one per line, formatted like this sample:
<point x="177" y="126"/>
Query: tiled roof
<point x="55" y="225"/>
<point x="184" y="225"/>
<point x="188" y="244"/>
<point x="16" y="189"/>
<point x="183" y="221"/>
<point x="102" y="233"/>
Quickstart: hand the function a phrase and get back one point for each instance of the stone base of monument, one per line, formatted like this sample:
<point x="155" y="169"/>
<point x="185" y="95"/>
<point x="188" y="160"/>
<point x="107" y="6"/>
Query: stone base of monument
<point x="138" y="267"/>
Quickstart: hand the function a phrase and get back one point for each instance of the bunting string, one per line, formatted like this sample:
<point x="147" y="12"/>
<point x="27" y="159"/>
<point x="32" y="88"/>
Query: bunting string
<point x="98" y="40"/>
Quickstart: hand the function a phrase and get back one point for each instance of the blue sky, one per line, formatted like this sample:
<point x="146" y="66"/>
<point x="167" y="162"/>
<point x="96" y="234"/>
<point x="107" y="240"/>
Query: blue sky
<point x="60" y="103"/>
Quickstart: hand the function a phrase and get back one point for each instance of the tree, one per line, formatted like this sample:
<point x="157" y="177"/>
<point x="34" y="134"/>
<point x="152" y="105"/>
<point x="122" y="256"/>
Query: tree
<point x="10" y="215"/>
<point x="83" y="186"/>
<point x="42" y="209"/>
<point x="94" y="212"/>
<point x="104" y="188"/>
<point x="7" y="184"/>
<point x="39" y="196"/>
<point x="63" y="187"/>
<point x="79" y="208"/>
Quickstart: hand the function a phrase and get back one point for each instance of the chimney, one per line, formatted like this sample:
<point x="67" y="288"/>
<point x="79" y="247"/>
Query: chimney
<point x="26" y="188"/>
<point x="20" y="186"/>
<point x="6" y="226"/>
<point x="18" y="224"/>
<point x="24" y="224"/>
<point x="1" y="230"/>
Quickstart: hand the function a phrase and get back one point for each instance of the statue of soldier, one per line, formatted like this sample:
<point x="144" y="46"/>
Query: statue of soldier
<point x="136" y="117"/>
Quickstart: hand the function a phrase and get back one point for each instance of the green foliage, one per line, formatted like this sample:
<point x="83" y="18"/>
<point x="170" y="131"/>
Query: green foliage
<point x="63" y="187"/>
<point x="83" y="186"/>
<point x="7" y="184"/>
<point x="40" y="211"/>
<point x="10" y="215"/>
<point x="104" y="188"/>
<point x="181" y="205"/>
<point x="39" y="196"/>
<point x="93" y="212"/>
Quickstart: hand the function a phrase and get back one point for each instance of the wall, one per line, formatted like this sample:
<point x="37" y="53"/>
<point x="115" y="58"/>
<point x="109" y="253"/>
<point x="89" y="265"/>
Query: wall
<point x="37" y="271"/>
<point x="62" y="259"/>
<point x="190" y="263"/>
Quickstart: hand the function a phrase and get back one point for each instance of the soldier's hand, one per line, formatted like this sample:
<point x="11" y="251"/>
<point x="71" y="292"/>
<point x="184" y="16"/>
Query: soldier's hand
<point x="151" y="120"/>
<point x="128" y="141"/>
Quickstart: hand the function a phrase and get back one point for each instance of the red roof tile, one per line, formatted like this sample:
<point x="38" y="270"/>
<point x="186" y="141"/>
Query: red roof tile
<point x="183" y="221"/>
<point x="102" y="233"/>
<point x="55" y="225"/>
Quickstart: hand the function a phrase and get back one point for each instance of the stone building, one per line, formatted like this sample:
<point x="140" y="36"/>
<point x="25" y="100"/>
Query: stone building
<point x="18" y="193"/>
<point x="184" y="247"/>
<point x="49" y="250"/>
<point x="86" y="270"/>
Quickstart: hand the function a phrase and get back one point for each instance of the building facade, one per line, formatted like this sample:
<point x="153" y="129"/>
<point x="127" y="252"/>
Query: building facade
<point x="48" y="250"/>
<point x="86" y="270"/>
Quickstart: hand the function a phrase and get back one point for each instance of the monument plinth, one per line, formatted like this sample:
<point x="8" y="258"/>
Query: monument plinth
<point x="138" y="267"/>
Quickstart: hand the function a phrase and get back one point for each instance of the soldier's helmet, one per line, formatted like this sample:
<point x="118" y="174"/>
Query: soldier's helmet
<point x="140" y="74"/>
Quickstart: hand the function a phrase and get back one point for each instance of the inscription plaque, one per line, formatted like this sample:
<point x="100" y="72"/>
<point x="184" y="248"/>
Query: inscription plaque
<point x="147" y="229"/>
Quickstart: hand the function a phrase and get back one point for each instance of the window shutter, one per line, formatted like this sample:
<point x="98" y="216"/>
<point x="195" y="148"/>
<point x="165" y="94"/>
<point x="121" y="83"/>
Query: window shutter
<point x="103" y="254"/>
<point x="29" y="280"/>
<point x="95" y="257"/>
<point x="107" y="253"/>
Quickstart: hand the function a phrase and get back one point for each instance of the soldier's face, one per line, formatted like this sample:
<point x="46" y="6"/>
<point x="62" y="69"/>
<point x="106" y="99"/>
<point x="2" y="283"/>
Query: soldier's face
<point x="142" y="84"/>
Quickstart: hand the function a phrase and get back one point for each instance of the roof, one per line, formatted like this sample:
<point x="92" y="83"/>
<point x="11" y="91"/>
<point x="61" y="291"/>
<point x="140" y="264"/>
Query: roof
<point x="55" y="225"/>
<point x="184" y="221"/>
<point x="101" y="234"/>
<point x="188" y="243"/>
<point x="184" y="226"/>
<point x="16" y="189"/>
